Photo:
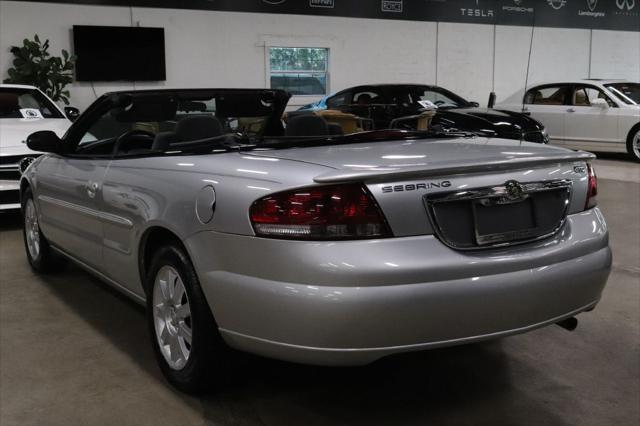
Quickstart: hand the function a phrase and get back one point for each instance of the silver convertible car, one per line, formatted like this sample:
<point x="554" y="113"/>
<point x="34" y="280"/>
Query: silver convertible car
<point x="307" y="244"/>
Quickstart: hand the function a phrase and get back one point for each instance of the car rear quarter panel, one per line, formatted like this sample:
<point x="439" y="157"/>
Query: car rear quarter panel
<point x="162" y="192"/>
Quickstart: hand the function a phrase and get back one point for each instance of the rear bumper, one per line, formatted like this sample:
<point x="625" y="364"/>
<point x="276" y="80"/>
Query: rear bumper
<point x="352" y="302"/>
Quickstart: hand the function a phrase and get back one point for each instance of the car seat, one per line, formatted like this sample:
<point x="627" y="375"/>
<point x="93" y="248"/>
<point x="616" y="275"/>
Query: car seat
<point x="307" y="125"/>
<point x="189" y="129"/>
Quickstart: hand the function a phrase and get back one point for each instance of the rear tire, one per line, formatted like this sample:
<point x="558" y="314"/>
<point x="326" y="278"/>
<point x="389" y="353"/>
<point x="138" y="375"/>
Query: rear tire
<point x="183" y="332"/>
<point x="39" y="253"/>
<point x="633" y="143"/>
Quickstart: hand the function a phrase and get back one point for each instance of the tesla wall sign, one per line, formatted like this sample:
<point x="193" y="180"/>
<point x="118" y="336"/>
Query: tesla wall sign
<point x="620" y="15"/>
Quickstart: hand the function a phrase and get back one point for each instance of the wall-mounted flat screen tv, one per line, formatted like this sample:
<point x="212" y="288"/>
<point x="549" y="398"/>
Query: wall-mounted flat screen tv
<point x="119" y="53"/>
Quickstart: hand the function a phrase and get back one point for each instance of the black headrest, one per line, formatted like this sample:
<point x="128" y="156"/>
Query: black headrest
<point x="365" y="98"/>
<point x="307" y="125"/>
<point x="196" y="127"/>
<point x="163" y="140"/>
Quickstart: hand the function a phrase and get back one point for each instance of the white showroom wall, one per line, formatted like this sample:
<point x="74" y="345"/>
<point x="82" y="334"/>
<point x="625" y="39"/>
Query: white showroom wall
<point x="227" y="49"/>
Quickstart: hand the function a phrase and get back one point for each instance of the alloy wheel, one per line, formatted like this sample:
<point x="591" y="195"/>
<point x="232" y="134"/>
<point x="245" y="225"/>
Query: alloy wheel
<point x="32" y="229"/>
<point x="172" y="317"/>
<point x="635" y="145"/>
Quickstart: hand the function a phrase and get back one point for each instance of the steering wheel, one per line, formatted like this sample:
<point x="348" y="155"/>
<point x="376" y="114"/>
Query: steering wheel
<point x="130" y="136"/>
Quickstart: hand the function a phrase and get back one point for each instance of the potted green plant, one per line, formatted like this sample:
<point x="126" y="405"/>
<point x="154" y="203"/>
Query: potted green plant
<point x="34" y="65"/>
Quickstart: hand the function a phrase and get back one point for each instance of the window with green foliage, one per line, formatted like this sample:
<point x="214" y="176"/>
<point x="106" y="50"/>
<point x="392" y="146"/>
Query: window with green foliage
<point x="299" y="70"/>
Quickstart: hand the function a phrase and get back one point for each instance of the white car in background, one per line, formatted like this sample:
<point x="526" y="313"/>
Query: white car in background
<point x="593" y="115"/>
<point x="24" y="110"/>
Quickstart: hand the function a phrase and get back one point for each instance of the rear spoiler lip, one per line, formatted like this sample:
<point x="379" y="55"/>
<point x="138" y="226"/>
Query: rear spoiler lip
<point x="449" y="169"/>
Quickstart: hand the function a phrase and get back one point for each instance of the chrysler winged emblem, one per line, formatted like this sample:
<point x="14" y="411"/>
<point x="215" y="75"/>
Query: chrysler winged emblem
<point x="592" y="4"/>
<point x="514" y="190"/>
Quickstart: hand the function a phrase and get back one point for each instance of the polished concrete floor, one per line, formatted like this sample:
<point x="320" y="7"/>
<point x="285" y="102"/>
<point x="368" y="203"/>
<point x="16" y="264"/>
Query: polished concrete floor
<point x="74" y="352"/>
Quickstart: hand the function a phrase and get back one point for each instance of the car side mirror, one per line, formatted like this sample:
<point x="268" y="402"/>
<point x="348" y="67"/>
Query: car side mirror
<point x="600" y="103"/>
<point x="71" y="112"/>
<point x="474" y="104"/>
<point x="44" y="141"/>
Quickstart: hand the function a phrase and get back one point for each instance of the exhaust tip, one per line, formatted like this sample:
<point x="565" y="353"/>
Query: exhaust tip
<point x="569" y="324"/>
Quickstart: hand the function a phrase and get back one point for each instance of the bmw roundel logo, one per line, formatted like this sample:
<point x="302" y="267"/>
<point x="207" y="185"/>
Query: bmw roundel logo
<point x="24" y="163"/>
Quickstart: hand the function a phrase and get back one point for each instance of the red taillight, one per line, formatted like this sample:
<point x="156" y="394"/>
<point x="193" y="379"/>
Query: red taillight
<point x="592" y="188"/>
<point x="320" y="213"/>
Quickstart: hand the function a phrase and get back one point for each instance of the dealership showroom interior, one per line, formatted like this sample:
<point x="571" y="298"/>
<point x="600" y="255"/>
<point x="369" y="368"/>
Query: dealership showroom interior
<point x="319" y="212"/>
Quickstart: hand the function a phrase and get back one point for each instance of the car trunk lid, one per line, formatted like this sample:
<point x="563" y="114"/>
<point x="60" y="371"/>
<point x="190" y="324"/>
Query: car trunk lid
<point x="425" y="157"/>
<point x="405" y="176"/>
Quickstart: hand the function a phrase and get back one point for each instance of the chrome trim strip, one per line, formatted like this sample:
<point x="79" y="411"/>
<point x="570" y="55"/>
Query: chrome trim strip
<point x="499" y="191"/>
<point x="100" y="275"/>
<point x="9" y="185"/>
<point x="107" y="217"/>
<point x="10" y="206"/>
<point x="116" y="220"/>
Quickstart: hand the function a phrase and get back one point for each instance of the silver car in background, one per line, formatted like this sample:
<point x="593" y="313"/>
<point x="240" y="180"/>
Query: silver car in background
<point x="305" y="244"/>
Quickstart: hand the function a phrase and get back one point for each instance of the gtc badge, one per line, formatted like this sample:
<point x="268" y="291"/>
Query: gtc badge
<point x="24" y="163"/>
<point x="514" y="189"/>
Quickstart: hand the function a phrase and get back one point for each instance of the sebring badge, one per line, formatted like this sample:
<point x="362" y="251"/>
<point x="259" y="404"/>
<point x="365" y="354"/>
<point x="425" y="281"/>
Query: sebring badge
<point x="416" y="186"/>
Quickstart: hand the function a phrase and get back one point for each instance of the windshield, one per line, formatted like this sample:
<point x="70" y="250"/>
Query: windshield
<point x="167" y="120"/>
<point x="629" y="93"/>
<point x="191" y="120"/>
<point x="26" y="104"/>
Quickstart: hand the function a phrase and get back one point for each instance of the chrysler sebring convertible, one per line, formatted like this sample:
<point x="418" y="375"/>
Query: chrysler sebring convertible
<point x="304" y="245"/>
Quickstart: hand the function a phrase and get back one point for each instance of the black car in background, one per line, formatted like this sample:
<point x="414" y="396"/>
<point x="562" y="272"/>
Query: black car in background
<point x="387" y="105"/>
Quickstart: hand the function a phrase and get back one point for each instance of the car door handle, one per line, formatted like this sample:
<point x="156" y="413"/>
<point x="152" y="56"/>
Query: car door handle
<point x="92" y="189"/>
<point x="571" y="110"/>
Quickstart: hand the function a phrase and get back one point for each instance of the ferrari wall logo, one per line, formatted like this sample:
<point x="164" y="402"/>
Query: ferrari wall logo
<point x="392" y="6"/>
<point x="328" y="4"/>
